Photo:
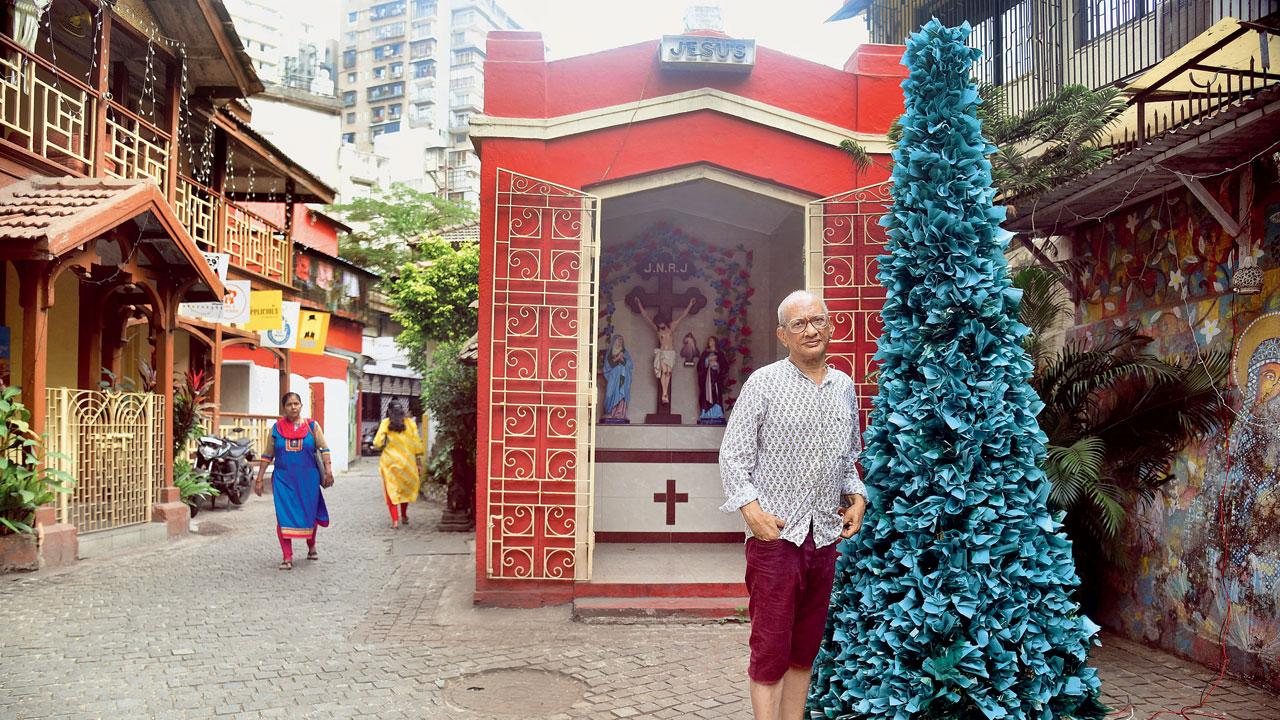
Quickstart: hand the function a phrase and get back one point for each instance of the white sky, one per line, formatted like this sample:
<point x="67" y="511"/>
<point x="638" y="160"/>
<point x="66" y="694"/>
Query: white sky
<point x="578" y="27"/>
<point x="796" y="27"/>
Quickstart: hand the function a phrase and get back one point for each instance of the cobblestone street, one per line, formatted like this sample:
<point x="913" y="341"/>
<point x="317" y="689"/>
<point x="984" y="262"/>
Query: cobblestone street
<point x="382" y="625"/>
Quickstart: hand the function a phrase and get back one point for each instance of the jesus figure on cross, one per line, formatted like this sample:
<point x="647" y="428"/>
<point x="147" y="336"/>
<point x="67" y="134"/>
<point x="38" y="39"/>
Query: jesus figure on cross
<point x="664" y="356"/>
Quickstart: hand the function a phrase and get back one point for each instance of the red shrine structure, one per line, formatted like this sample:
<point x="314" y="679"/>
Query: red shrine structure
<point x="702" y="157"/>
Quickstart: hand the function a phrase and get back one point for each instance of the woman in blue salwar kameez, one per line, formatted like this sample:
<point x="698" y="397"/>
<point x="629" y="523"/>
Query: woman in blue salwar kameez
<point x="297" y="447"/>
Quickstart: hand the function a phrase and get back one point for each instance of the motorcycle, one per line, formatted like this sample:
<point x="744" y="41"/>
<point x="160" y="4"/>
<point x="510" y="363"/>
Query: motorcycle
<point x="229" y="463"/>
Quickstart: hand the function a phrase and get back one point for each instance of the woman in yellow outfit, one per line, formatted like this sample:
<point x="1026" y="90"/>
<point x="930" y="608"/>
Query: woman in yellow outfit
<point x="401" y="463"/>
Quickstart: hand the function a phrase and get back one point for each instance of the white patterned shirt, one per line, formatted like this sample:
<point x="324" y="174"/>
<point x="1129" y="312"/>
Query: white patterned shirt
<point x="793" y="445"/>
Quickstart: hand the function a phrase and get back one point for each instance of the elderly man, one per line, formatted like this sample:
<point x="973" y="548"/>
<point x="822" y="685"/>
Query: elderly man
<point x="789" y="465"/>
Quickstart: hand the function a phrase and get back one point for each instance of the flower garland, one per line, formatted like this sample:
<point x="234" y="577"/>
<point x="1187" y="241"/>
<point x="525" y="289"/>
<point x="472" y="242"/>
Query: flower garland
<point x="726" y="270"/>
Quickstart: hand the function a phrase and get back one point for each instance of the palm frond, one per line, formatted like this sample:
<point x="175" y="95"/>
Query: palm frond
<point x="855" y="149"/>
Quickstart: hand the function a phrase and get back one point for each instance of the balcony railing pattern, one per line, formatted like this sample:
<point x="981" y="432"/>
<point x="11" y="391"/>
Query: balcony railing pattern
<point x="136" y="149"/>
<point x="245" y="425"/>
<point x="1035" y="47"/>
<point x="219" y="225"/>
<point x="45" y="110"/>
<point x="53" y="114"/>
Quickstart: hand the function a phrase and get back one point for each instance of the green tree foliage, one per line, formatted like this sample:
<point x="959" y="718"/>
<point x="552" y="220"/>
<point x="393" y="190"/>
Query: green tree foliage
<point x="450" y="390"/>
<point x="954" y="600"/>
<point x="1056" y="141"/>
<point x="433" y="295"/>
<point x="393" y="221"/>
<point x="432" y="283"/>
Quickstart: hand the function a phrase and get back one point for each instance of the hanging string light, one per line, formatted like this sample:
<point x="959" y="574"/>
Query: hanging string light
<point x="148" y="96"/>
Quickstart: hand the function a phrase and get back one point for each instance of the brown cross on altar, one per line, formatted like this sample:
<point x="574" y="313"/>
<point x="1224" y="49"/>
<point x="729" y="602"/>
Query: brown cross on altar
<point x="666" y="299"/>
<point x="671" y="497"/>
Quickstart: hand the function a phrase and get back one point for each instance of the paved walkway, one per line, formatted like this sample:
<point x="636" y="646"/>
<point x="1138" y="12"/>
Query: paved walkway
<point x="382" y="626"/>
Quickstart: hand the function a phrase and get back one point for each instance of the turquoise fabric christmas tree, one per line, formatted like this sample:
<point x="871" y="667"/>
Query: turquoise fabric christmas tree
<point x="954" y="600"/>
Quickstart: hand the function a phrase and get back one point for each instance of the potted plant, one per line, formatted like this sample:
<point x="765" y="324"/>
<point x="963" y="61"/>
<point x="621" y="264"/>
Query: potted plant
<point x="193" y="484"/>
<point x="190" y="407"/>
<point x="24" y="484"/>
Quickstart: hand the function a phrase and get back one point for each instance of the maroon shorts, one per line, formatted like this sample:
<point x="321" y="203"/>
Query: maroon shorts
<point x="790" y="589"/>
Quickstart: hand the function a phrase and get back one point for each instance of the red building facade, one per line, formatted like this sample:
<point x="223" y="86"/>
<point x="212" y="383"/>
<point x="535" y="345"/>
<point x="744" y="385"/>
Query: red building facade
<point x="594" y="166"/>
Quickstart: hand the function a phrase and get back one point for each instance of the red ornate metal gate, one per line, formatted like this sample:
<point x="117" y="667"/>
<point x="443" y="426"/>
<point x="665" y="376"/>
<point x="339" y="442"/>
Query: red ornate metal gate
<point x="541" y="383"/>
<point x="843" y="241"/>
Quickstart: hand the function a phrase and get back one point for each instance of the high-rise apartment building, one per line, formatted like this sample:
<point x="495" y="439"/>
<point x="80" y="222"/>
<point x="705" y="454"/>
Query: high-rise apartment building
<point x="410" y="74"/>
<point x="287" y="47"/>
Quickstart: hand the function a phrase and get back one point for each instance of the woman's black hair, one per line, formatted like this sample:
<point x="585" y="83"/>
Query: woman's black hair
<point x="285" y="398"/>
<point x="395" y="414"/>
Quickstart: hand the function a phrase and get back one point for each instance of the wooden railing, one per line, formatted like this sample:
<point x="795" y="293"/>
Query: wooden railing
<point x="219" y="225"/>
<point x="45" y="110"/>
<point x="235" y="425"/>
<point x="136" y="149"/>
<point x="53" y="114"/>
<point x="255" y="427"/>
<point x="50" y="113"/>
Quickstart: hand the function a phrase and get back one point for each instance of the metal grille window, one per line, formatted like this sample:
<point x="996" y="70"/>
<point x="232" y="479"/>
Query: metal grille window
<point x="1102" y="16"/>
<point x="388" y="31"/>
<point x="1017" y="26"/>
<point x="382" y="52"/>
<point x="983" y="38"/>
<point x="422" y="48"/>
<point x="424" y="7"/>
<point x="386" y="10"/>
<point x="422" y="30"/>
<point x="389" y="90"/>
<point x="348" y="58"/>
<point x="349" y="98"/>
<point x="424" y="69"/>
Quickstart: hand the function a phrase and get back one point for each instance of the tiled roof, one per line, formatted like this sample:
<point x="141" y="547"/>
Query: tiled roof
<point x="468" y="232"/>
<point x="44" y="208"/>
<point x="53" y="216"/>
<point x="470" y="353"/>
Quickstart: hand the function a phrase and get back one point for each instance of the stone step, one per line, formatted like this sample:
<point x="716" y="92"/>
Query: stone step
<point x="660" y="589"/>
<point x="631" y="609"/>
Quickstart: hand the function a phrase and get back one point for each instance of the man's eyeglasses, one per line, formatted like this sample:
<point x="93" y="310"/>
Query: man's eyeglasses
<point x="797" y="326"/>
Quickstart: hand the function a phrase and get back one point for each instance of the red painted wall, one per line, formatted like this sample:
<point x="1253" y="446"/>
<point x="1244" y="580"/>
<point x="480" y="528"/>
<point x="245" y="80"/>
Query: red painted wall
<point x="864" y="96"/>
<point x="261" y="358"/>
<point x="343" y="335"/>
<point x="520" y="84"/>
<point x="309" y="228"/>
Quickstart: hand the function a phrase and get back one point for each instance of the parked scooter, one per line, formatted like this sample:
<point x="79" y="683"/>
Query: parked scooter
<point x="229" y="463"/>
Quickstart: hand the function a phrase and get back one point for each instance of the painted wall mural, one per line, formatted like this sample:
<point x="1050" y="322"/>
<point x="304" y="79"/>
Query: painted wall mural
<point x="1208" y="549"/>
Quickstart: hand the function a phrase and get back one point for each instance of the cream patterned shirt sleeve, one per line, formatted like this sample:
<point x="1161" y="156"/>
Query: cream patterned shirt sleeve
<point x="792" y="445"/>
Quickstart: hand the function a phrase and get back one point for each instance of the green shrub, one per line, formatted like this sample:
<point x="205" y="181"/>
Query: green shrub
<point x="192" y="483"/>
<point x="24" y="484"/>
<point x="449" y="391"/>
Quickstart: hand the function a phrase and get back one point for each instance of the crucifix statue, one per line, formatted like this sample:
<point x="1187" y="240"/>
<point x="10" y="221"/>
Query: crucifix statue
<point x="665" y="300"/>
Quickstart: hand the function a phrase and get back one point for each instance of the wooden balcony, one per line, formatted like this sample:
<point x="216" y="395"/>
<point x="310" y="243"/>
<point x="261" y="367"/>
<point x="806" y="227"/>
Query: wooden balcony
<point x="52" y="114"/>
<point x="46" y="111"/>
<point x="217" y="224"/>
